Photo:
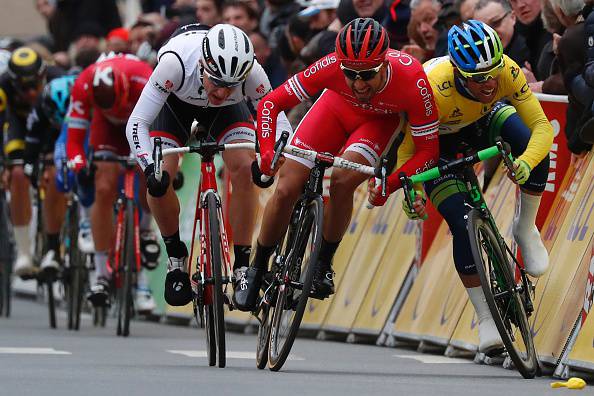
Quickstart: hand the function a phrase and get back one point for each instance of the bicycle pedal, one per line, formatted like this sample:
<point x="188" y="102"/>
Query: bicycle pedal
<point x="495" y="352"/>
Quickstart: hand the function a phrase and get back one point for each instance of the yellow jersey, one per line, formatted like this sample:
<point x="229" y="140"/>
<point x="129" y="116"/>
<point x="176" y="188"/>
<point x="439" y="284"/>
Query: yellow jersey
<point x="457" y="110"/>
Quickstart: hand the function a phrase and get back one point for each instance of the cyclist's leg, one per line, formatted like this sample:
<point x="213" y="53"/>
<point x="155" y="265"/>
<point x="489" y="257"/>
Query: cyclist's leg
<point x="448" y="196"/>
<point x="105" y="140"/>
<point x="505" y="121"/>
<point x="234" y="124"/>
<point x="54" y="210"/>
<point x="20" y="202"/>
<point x="85" y="193"/>
<point x="365" y="145"/>
<point x="174" y="131"/>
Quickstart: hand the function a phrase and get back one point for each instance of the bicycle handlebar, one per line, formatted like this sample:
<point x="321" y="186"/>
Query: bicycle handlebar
<point x="500" y="147"/>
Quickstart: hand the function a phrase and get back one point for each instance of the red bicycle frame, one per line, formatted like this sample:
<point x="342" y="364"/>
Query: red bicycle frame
<point x="129" y="176"/>
<point x="208" y="185"/>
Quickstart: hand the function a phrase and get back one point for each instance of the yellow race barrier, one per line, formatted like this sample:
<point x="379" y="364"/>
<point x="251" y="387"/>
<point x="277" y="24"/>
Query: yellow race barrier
<point x="317" y="310"/>
<point x="362" y="266"/>
<point x="397" y="258"/>
<point x="558" y="298"/>
<point x="410" y="323"/>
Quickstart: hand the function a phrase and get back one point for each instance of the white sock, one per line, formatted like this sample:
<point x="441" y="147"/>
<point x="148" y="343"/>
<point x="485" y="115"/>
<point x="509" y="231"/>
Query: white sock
<point x="101" y="265"/>
<point x="478" y="300"/>
<point x="84" y="213"/>
<point x="526" y="234"/>
<point x="23" y="240"/>
<point x="142" y="282"/>
<point x="526" y="218"/>
<point x="146" y="222"/>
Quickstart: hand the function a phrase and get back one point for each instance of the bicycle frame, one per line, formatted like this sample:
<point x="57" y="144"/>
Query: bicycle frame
<point x="128" y="195"/>
<point x="208" y="185"/>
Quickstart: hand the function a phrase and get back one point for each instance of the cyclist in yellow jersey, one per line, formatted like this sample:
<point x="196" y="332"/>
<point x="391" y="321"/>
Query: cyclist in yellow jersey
<point x="481" y="94"/>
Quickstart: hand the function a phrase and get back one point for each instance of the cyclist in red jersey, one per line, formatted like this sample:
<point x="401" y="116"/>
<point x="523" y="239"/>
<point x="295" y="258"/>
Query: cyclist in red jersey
<point x="369" y="93"/>
<point x="102" y="99"/>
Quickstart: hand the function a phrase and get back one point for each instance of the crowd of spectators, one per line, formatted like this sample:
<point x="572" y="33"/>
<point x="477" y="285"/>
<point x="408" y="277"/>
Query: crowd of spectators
<point x="547" y="38"/>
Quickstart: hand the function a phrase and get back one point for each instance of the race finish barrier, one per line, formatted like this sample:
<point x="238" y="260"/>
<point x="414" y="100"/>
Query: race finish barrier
<point x="362" y="266"/>
<point x="316" y="311"/>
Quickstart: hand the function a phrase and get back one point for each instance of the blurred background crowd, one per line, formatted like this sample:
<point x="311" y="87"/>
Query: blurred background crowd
<point x="546" y="37"/>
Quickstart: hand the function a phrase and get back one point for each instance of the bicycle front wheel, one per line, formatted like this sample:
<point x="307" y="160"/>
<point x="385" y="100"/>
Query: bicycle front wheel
<point x="300" y="256"/>
<point x="129" y="268"/>
<point x="216" y="263"/>
<point x="503" y="293"/>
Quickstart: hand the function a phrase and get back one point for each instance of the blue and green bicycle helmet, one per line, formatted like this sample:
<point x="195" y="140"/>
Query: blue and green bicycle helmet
<point x="474" y="47"/>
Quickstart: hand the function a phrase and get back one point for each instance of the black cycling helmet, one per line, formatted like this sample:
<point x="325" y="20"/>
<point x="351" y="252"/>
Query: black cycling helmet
<point x="26" y="68"/>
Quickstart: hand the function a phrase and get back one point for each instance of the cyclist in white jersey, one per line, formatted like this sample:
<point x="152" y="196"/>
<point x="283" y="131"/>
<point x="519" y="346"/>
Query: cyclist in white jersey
<point x="208" y="75"/>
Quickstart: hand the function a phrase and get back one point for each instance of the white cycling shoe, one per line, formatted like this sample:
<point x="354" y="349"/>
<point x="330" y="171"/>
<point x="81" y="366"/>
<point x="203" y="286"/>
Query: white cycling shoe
<point x="534" y="252"/>
<point x="85" y="237"/>
<point x="144" y="301"/>
<point x="489" y="338"/>
<point x="24" y="268"/>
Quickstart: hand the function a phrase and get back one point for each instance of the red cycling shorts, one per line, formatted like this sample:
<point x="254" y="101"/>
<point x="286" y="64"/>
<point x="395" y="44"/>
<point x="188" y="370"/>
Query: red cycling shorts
<point x="332" y="125"/>
<point x="107" y="136"/>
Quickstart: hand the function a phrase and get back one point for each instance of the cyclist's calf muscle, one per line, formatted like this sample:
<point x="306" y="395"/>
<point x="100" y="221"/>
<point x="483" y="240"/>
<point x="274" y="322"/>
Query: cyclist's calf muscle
<point x="20" y="203"/>
<point x="165" y="209"/>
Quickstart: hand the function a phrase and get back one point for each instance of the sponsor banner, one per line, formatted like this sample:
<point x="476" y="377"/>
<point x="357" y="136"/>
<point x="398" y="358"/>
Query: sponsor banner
<point x="317" y="310"/>
<point x="500" y="196"/>
<point x="419" y="305"/>
<point x="555" y="108"/>
<point x="387" y="281"/>
<point x="363" y="264"/>
<point x="554" y="297"/>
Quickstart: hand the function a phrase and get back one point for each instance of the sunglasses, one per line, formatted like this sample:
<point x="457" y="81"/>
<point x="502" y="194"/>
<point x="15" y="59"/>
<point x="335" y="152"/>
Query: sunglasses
<point x="220" y="83"/>
<point x="364" y="75"/>
<point x="484" y="76"/>
<point x="497" y="22"/>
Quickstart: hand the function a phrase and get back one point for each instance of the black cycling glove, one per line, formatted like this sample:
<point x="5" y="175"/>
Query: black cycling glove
<point x="156" y="188"/>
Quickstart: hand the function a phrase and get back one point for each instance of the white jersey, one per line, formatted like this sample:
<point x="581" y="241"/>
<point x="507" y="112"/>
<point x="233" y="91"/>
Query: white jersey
<point x="179" y="72"/>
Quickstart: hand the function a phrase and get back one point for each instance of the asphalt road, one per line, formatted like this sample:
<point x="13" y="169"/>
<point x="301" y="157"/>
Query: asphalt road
<point x="160" y="359"/>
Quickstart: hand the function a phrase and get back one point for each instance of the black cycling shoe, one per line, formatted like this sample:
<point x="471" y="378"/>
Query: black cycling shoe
<point x="178" y="290"/>
<point x="99" y="293"/>
<point x="149" y="250"/>
<point x="323" y="281"/>
<point x="247" y="288"/>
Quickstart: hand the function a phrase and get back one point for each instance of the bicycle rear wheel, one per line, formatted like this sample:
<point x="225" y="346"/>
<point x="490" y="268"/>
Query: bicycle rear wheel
<point x="6" y="257"/>
<point x="503" y="294"/>
<point x="300" y="255"/>
<point x="216" y="262"/>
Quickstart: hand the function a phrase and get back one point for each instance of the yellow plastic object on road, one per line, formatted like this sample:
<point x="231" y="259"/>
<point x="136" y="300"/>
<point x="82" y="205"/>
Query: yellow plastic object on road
<point x="572" y="383"/>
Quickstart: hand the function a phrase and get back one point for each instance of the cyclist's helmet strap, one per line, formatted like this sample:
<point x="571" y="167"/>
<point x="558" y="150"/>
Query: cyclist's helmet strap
<point x="474" y="46"/>
<point x="26" y="68"/>
<point x="363" y="40"/>
<point x="227" y="53"/>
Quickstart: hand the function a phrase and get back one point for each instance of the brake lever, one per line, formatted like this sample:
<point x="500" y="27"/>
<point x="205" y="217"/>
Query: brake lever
<point x="158" y="158"/>
<point x="505" y="151"/>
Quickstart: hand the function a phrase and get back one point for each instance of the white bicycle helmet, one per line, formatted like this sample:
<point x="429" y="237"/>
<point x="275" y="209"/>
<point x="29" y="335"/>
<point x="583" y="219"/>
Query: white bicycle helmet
<point x="227" y="55"/>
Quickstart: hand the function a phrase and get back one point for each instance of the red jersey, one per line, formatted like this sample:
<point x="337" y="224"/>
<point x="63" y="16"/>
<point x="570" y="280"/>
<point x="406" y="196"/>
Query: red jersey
<point x="407" y="92"/>
<point x="81" y="109"/>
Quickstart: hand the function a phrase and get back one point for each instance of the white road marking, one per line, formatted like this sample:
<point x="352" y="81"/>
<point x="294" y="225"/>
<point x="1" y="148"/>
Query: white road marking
<point x="435" y="359"/>
<point x="230" y="354"/>
<point x="33" y="351"/>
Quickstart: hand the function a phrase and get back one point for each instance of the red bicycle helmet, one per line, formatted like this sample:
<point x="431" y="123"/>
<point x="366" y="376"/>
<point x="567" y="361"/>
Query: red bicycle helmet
<point x="110" y="87"/>
<point x="362" y="41"/>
